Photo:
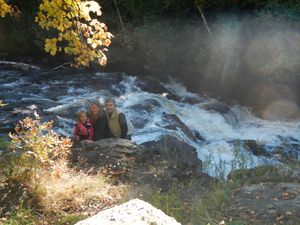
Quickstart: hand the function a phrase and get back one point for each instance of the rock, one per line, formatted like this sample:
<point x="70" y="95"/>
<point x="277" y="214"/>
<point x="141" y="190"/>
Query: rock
<point x="182" y="155"/>
<point x="256" y="148"/>
<point x="217" y="106"/>
<point x="152" y="85"/>
<point x="283" y="202"/>
<point x="144" y="112"/>
<point x="134" y="212"/>
<point x="172" y="122"/>
<point x="114" y="154"/>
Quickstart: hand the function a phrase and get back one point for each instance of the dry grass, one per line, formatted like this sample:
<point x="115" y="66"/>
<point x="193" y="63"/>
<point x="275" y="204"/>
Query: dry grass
<point x="76" y="191"/>
<point x="63" y="195"/>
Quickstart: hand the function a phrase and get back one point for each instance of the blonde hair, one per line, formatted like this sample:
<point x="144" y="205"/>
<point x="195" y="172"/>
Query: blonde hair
<point x="98" y="115"/>
<point x="79" y="114"/>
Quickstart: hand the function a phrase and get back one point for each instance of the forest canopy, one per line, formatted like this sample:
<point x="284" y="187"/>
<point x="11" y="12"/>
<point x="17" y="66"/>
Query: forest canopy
<point x="65" y="27"/>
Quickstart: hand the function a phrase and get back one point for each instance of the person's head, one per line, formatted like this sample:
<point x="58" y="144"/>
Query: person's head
<point x="110" y="105"/>
<point x="82" y="117"/>
<point x="94" y="108"/>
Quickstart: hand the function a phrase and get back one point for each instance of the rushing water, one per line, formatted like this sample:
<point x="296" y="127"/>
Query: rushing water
<point x="146" y="102"/>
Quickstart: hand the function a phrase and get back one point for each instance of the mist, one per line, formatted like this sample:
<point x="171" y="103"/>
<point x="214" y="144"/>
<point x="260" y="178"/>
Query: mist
<point x="252" y="59"/>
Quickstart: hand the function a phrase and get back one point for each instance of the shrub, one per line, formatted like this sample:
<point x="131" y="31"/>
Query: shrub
<point x="34" y="145"/>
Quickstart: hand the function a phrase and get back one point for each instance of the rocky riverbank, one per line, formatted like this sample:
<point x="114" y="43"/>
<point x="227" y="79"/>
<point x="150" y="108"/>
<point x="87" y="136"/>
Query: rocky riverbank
<point x="265" y="195"/>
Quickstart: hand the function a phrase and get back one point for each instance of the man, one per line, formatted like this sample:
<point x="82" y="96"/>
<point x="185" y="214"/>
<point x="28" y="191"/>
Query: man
<point x="117" y="121"/>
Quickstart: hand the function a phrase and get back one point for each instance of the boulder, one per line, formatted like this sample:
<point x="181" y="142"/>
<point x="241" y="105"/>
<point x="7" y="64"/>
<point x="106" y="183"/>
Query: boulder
<point x="114" y="154"/>
<point x="179" y="154"/>
<point x="134" y="212"/>
<point x="143" y="112"/>
<point x="172" y="122"/>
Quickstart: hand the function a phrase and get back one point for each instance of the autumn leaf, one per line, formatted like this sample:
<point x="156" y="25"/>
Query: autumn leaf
<point x="4" y="8"/>
<point x="78" y="34"/>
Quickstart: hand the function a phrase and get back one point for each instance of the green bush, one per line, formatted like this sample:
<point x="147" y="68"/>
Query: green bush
<point x="34" y="146"/>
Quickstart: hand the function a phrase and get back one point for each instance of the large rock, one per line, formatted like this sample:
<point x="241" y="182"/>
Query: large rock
<point x="134" y="212"/>
<point x="114" y="154"/>
<point x="179" y="154"/>
<point x="172" y="122"/>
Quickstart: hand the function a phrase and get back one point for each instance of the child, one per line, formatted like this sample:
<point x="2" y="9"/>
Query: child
<point x="83" y="129"/>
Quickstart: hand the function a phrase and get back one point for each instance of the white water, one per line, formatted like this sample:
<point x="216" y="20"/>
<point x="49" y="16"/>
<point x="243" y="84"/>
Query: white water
<point x="219" y="151"/>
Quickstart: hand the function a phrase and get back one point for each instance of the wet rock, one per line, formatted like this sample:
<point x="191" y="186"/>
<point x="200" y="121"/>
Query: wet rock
<point x="288" y="150"/>
<point x="143" y="112"/>
<point x="151" y="85"/>
<point x="172" y="122"/>
<point x="192" y="100"/>
<point x="256" y="148"/>
<point x="133" y="212"/>
<point x="198" y="135"/>
<point x="216" y="106"/>
<point x="148" y="106"/>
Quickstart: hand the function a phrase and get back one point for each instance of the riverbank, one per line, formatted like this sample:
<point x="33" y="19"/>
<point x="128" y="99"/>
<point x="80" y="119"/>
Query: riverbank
<point x="76" y="192"/>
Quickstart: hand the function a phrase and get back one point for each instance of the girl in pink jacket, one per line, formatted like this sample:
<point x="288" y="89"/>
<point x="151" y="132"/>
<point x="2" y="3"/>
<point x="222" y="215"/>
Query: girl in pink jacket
<point x="83" y="129"/>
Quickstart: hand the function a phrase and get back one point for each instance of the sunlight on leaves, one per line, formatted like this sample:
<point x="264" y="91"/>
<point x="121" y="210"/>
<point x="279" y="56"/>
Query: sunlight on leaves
<point x="4" y="8"/>
<point x="79" y="32"/>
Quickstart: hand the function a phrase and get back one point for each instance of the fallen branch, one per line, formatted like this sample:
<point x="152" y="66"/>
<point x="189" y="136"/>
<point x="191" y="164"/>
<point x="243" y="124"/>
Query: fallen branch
<point x="61" y="66"/>
<point x="19" y="65"/>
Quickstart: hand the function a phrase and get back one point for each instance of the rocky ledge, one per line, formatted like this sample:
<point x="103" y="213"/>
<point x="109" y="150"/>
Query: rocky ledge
<point x="158" y="163"/>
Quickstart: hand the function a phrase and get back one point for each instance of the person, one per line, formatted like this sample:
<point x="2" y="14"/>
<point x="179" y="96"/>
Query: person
<point x="83" y="129"/>
<point x="117" y="123"/>
<point x="99" y="121"/>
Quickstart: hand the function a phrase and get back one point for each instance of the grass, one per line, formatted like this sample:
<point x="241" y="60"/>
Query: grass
<point x="64" y="196"/>
<point x="3" y="143"/>
<point x="194" y="204"/>
<point x="21" y="216"/>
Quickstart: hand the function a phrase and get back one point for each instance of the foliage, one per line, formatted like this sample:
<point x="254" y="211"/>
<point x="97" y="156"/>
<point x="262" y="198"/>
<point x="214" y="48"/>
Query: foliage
<point x="4" y="8"/>
<point x="3" y="143"/>
<point x="21" y="216"/>
<point x="78" y="33"/>
<point x="39" y="183"/>
<point x="171" y="203"/>
<point x="34" y="145"/>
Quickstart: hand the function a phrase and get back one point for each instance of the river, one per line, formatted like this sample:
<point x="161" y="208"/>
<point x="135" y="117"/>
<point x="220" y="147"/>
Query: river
<point x="223" y="133"/>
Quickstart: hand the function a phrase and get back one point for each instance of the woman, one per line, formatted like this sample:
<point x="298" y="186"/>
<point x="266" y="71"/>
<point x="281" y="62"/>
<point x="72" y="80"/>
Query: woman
<point x="99" y="121"/>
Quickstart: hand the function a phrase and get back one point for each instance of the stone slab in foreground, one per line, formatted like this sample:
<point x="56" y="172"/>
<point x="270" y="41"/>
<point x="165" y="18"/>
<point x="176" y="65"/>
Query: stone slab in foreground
<point x="134" y="212"/>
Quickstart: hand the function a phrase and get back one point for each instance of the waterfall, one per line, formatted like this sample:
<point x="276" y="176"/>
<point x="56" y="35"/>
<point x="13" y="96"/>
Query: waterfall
<point x="225" y="129"/>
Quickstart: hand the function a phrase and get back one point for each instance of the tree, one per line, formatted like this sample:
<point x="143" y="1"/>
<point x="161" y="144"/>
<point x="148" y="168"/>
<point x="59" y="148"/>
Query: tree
<point x="73" y="29"/>
<point x="78" y="33"/>
<point x="4" y="8"/>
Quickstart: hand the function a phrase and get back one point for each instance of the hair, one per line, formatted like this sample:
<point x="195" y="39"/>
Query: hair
<point x="98" y="115"/>
<point x="110" y="100"/>
<point x="79" y="115"/>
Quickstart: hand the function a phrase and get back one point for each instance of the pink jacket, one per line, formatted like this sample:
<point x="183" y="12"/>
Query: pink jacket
<point x="83" y="131"/>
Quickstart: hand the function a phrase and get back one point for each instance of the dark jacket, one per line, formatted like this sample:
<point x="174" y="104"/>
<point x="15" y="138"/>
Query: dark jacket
<point x="101" y="129"/>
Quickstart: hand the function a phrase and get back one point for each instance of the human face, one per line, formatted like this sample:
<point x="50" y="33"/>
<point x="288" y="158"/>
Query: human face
<point x="110" y="107"/>
<point x="95" y="109"/>
<point x="83" y="118"/>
